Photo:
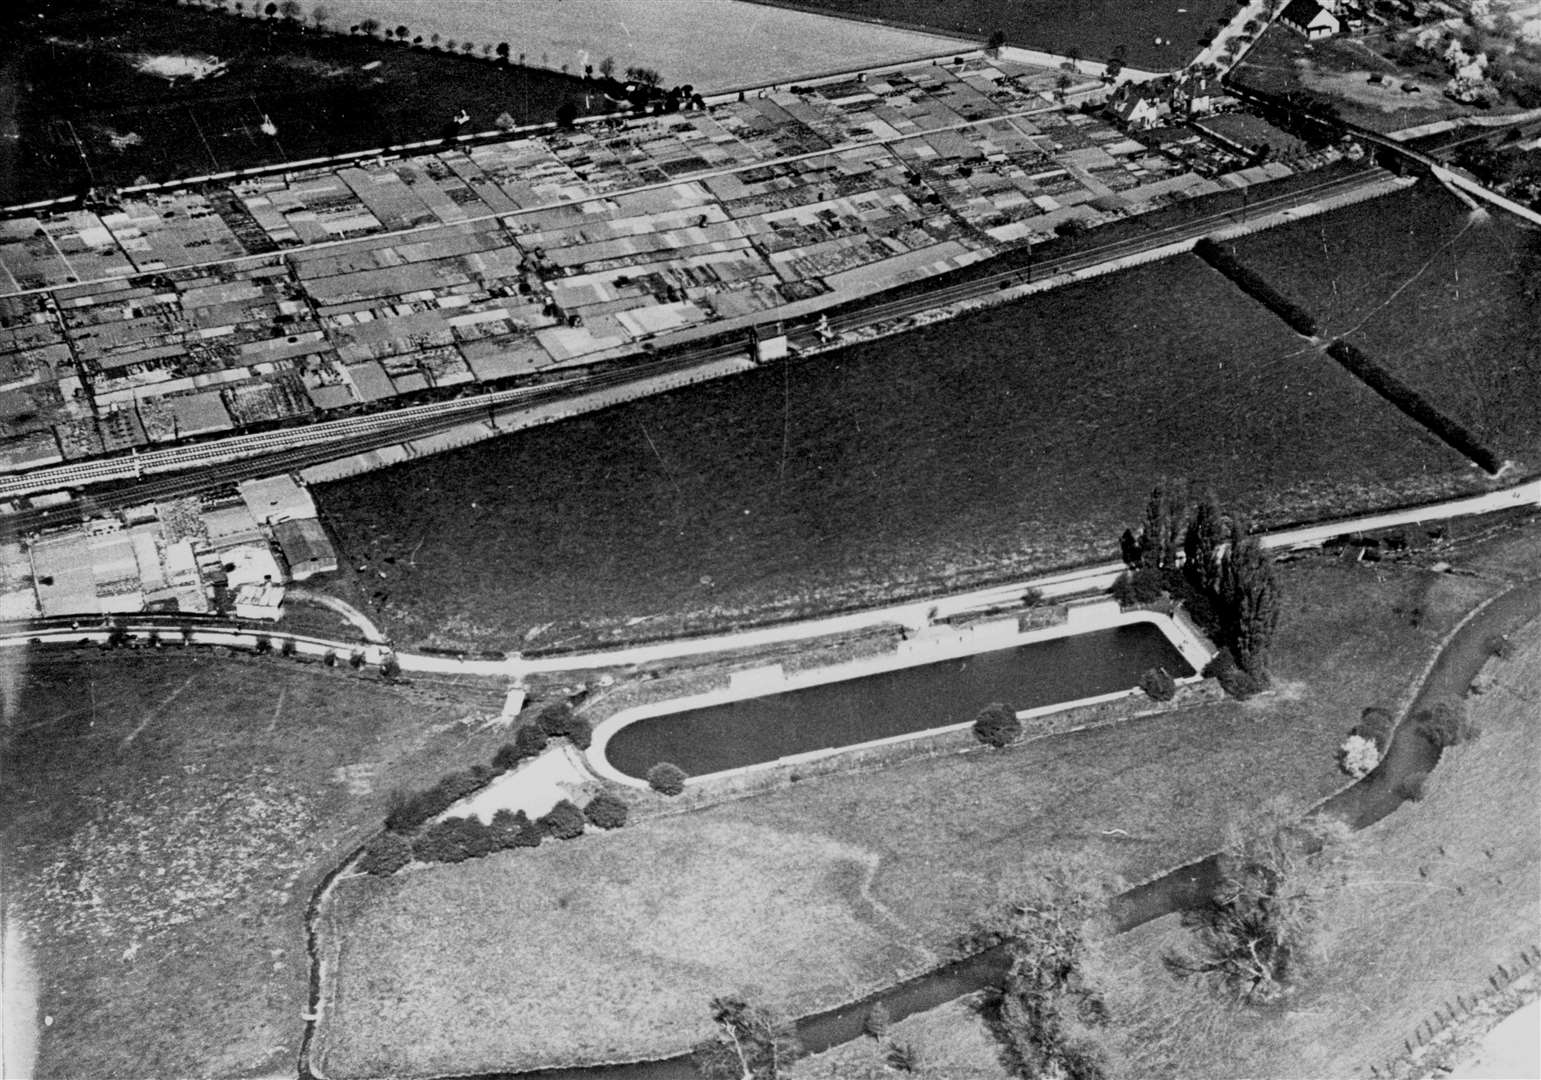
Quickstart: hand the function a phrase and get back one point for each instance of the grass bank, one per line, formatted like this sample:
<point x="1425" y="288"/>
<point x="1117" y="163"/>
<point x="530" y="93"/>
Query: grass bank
<point x="1437" y="896"/>
<point x="1014" y="440"/>
<point x="830" y="887"/>
<point x="166" y="817"/>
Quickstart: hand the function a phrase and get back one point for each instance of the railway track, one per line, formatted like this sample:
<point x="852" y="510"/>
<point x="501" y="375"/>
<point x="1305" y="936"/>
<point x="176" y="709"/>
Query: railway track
<point x="192" y="469"/>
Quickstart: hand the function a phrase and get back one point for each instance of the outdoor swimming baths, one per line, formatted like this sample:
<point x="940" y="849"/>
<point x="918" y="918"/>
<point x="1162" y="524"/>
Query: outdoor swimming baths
<point x="764" y="718"/>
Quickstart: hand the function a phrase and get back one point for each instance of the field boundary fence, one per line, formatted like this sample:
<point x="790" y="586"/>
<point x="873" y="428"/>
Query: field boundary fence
<point x="1431" y="1030"/>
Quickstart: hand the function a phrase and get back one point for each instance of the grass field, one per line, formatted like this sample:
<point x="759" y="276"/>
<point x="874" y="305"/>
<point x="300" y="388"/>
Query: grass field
<point x="166" y="817"/>
<point x="1337" y="72"/>
<point x="1444" y="298"/>
<point x="1017" y="439"/>
<point x="1439" y="894"/>
<point x="1094" y="30"/>
<point x="711" y="44"/>
<point x="87" y="113"/>
<point x="811" y="895"/>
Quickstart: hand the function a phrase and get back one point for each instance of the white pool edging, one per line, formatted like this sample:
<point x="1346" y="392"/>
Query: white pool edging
<point x="913" y="653"/>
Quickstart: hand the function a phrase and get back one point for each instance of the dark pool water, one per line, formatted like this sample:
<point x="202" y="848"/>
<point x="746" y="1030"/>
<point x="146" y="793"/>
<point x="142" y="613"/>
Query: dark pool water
<point x="913" y="699"/>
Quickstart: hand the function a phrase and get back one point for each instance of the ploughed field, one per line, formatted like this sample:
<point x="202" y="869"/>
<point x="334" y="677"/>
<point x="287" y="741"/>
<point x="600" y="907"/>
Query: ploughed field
<point x="1018" y="439"/>
<point x="1450" y="301"/>
<point x="1093" y="29"/>
<point x="118" y="89"/>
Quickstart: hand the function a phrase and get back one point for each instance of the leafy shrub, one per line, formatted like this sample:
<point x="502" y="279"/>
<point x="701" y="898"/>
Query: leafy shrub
<point x="553" y="718"/>
<point x="529" y="835"/>
<point x="441" y="842"/>
<point x="878" y="1021"/>
<point x="1376" y="724"/>
<point x="580" y="732"/>
<point x="997" y="725"/>
<point x="529" y="741"/>
<point x="386" y="854"/>
<point x="505" y="825"/>
<point x="477" y="839"/>
<point x="1233" y="679"/>
<point x="1446" y="725"/>
<point x="407" y="812"/>
<point x="557" y="720"/>
<point x="1358" y="756"/>
<point x="666" y="778"/>
<point x="1414" y="787"/>
<point x="506" y="757"/>
<point x="606" y="810"/>
<point x="1158" y="684"/>
<point x="563" y="821"/>
<point x="1136" y="587"/>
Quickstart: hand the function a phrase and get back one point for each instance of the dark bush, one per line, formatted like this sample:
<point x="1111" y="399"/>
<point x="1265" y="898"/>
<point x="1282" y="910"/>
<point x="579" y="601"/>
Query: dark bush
<point x="407" y="812"/>
<point x="666" y="778"/>
<point x="1233" y="679"/>
<point x="1136" y="587"/>
<point x="554" y="717"/>
<point x="557" y="720"/>
<point x="1414" y="787"/>
<point x="506" y="757"/>
<point x="580" y="733"/>
<point x="386" y="854"/>
<point x="1158" y="684"/>
<point x="529" y="741"/>
<point x="563" y="821"/>
<point x="1376" y="724"/>
<point x="606" y="810"/>
<point x="505" y="823"/>
<point x="997" y="725"/>
<point x="529" y="836"/>
<point x="1445" y="725"/>
<point x="442" y="842"/>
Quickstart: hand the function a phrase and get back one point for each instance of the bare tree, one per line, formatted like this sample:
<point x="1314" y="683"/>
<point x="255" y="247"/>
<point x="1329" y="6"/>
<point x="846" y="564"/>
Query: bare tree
<point x="1255" y="938"/>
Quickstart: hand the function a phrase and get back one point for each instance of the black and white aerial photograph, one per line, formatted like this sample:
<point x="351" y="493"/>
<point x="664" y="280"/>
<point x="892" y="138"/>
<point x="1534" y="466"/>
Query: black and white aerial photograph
<point x="770" y="539"/>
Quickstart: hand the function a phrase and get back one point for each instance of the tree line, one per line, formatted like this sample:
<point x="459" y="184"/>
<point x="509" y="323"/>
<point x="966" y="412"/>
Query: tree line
<point x="1190" y="551"/>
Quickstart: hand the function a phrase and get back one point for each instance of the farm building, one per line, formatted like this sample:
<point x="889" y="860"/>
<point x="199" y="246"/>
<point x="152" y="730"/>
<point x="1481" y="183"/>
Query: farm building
<point x="1141" y="105"/>
<point x="1310" y="19"/>
<point x="305" y="548"/>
